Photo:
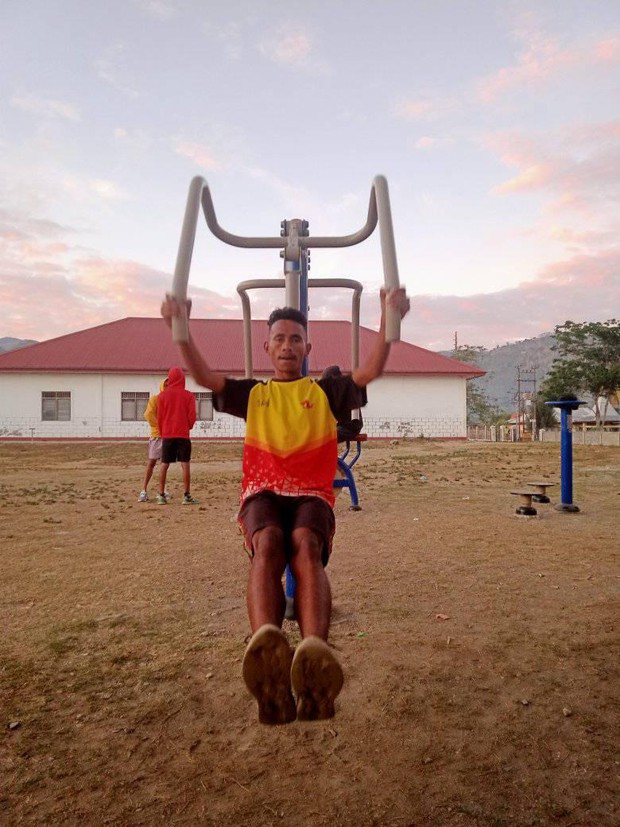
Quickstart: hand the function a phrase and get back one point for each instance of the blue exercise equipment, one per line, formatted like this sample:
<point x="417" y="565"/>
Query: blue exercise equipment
<point x="566" y="406"/>
<point x="348" y="480"/>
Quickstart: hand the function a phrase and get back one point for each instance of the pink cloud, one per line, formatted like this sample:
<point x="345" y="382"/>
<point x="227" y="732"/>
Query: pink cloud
<point x="51" y="287"/>
<point x="542" y="59"/>
<point x="290" y="46"/>
<point x="608" y="50"/>
<point x="48" y="288"/>
<point x="537" y="64"/>
<point x="428" y="142"/>
<point x="531" y="177"/>
<point x="294" y="47"/>
<point x="582" y="288"/>
<point x="424" y="107"/>
<point x="45" y="107"/>
<point x="578" y="167"/>
<point x="201" y="155"/>
<point x="54" y="297"/>
<point x="413" y="108"/>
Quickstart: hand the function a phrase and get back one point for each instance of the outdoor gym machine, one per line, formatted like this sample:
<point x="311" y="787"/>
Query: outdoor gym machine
<point x="294" y="243"/>
<point x="566" y="406"/>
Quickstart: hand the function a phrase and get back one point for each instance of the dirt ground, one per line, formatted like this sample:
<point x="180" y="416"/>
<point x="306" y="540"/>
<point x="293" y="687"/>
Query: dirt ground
<point x="480" y="649"/>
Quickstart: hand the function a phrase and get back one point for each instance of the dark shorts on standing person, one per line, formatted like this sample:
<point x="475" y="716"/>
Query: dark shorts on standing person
<point x="288" y="513"/>
<point x="176" y="450"/>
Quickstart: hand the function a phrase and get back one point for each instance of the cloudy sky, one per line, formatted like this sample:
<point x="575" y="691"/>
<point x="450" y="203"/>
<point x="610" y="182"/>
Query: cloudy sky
<point x="496" y="124"/>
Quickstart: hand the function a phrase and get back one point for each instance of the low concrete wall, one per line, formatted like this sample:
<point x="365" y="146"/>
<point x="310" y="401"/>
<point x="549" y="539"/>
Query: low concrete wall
<point x="492" y="433"/>
<point x="583" y="437"/>
<point x="222" y="426"/>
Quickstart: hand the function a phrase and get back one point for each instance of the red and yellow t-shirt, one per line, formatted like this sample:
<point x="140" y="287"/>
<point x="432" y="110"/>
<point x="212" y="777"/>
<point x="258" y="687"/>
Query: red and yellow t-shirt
<point x="290" y="443"/>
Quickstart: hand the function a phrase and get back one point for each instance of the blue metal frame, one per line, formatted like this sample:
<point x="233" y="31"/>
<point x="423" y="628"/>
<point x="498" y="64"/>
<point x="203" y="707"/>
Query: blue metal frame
<point x="349" y="479"/>
<point x="345" y="467"/>
<point x="566" y="406"/>
<point x="303" y="306"/>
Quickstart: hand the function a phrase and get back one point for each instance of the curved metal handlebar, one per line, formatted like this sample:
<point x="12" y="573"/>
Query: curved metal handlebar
<point x="378" y="212"/>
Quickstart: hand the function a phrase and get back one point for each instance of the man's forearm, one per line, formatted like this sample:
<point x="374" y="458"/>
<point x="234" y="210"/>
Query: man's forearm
<point x="198" y="368"/>
<point x="375" y="363"/>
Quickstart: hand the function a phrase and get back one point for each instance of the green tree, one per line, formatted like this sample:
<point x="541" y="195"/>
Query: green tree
<point x="545" y="414"/>
<point x="479" y="408"/>
<point x="588" y="362"/>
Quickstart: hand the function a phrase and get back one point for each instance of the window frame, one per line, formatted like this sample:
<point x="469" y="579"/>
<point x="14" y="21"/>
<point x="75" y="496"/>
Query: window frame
<point x="134" y="397"/>
<point x="205" y="397"/>
<point x="57" y="415"/>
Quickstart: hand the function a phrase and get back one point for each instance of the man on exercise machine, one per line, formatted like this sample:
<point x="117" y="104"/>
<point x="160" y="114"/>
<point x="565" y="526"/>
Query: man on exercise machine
<point x="286" y="512"/>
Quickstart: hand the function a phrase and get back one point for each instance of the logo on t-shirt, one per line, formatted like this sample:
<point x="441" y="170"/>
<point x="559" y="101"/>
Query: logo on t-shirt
<point x="306" y="403"/>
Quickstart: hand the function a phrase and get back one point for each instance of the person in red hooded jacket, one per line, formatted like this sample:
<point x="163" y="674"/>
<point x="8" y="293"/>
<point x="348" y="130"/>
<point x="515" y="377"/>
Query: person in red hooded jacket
<point x="176" y="415"/>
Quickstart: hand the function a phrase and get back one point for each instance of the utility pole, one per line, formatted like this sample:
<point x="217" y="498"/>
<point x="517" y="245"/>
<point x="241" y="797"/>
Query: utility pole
<point x="519" y="400"/>
<point x="525" y="376"/>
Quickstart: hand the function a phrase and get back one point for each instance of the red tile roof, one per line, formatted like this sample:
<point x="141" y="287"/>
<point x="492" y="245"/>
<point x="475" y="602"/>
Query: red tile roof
<point x="137" y="345"/>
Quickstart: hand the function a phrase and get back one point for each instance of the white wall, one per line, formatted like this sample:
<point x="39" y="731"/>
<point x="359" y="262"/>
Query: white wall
<point x="414" y="406"/>
<point x="95" y="407"/>
<point x="20" y="405"/>
<point x="397" y="406"/>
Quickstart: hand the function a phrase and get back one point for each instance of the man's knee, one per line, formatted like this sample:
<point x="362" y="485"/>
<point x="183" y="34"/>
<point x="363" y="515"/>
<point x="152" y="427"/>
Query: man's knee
<point x="307" y="549"/>
<point x="268" y="545"/>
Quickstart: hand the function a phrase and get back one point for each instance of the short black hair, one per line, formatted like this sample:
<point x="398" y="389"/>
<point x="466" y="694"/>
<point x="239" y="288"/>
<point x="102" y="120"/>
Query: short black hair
<point x="289" y="314"/>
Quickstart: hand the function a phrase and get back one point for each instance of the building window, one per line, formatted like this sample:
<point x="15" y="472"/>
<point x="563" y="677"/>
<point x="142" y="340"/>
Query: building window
<point x="56" y="406"/>
<point x="204" y="406"/>
<point x="133" y="405"/>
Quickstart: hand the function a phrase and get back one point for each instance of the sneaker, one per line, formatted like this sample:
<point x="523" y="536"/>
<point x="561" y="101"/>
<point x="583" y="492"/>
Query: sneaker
<point x="267" y="674"/>
<point x="144" y="497"/>
<point x="189" y="500"/>
<point x="161" y="500"/>
<point x="316" y="677"/>
<point x="167" y="496"/>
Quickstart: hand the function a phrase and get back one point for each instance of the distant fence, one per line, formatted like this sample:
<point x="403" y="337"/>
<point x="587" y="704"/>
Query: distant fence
<point x="584" y="436"/>
<point x="492" y="433"/>
<point x="508" y="433"/>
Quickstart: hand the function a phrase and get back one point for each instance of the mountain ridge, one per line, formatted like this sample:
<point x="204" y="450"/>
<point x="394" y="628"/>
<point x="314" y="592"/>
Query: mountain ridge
<point x="534" y="357"/>
<point x="11" y="343"/>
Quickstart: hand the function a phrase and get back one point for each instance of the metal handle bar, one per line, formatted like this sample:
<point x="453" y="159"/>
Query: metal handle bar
<point x="378" y="211"/>
<point x="244" y="286"/>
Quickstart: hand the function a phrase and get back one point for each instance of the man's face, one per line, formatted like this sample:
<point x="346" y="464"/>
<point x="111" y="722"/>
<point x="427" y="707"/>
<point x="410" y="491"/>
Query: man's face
<point x="287" y="347"/>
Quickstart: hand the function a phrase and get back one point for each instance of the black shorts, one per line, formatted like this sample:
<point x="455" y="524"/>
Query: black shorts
<point x="269" y="509"/>
<point x="176" y="450"/>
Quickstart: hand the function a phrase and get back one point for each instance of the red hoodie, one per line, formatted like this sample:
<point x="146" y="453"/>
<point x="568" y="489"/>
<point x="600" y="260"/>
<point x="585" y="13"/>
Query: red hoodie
<point x="176" y="407"/>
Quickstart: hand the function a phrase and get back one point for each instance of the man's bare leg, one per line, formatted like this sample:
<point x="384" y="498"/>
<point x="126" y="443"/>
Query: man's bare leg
<point x="316" y="674"/>
<point x="185" y="467"/>
<point x="265" y="595"/>
<point x="267" y="660"/>
<point x="313" y="597"/>
<point x="149" y="473"/>
<point x="163" y="472"/>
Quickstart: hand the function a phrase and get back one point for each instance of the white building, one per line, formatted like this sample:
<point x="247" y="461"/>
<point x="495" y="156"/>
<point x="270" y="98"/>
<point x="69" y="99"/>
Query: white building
<point x="94" y="384"/>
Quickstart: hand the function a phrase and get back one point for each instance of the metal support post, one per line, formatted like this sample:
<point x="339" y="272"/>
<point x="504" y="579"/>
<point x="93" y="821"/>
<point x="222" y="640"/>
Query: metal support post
<point x="566" y="406"/>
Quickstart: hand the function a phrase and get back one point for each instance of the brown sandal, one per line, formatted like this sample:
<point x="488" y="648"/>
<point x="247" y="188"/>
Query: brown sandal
<point x="267" y="674"/>
<point x="317" y="678"/>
